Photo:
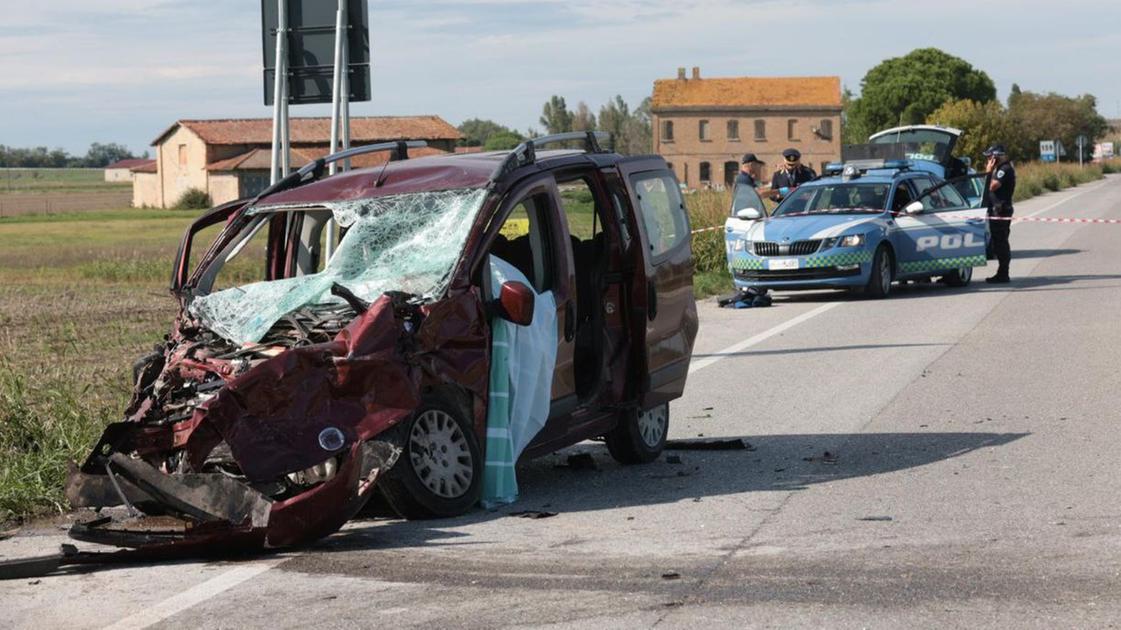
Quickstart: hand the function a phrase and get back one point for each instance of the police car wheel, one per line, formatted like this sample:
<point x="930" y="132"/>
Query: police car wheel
<point x="879" y="281"/>
<point x="640" y="436"/>
<point x="959" y="277"/>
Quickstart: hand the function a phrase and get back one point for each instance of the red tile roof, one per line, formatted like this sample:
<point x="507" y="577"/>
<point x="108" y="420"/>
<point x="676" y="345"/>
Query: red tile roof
<point x="261" y="158"/>
<point x="747" y="92"/>
<point x="130" y="164"/>
<point x="363" y="129"/>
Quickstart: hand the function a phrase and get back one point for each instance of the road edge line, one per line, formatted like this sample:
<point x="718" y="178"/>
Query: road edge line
<point x="761" y="337"/>
<point x="197" y="594"/>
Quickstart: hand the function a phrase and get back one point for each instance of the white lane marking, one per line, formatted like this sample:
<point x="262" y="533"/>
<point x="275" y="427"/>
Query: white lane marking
<point x="1062" y="201"/>
<point x="761" y="337"/>
<point x="194" y="595"/>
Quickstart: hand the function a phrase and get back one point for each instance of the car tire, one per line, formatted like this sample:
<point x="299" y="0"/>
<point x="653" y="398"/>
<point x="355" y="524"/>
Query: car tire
<point x="640" y="436"/>
<point x="440" y="471"/>
<point x="881" y="276"/>
<point x="959" y="277"/>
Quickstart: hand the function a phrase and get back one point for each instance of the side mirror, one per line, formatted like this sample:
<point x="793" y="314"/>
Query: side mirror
<point x="915" y="207"/>
<point x="515" y="303"/>
<point x="749" y="214"/>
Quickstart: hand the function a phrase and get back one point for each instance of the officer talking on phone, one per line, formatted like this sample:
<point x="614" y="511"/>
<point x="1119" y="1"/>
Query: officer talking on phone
<point x="1000" y="187"/>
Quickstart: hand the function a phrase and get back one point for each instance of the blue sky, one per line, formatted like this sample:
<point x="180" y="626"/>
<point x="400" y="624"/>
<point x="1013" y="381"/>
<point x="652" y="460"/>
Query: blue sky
<point x="74" y="72"/>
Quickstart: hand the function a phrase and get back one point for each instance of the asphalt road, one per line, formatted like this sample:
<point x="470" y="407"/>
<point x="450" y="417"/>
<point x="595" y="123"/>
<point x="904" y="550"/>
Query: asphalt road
<point x="974" y="458"/>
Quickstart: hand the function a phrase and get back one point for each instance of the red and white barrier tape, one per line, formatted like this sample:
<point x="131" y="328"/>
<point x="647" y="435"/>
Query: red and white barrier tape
<point x="1035" y="219"/>
<point x="966" y="216"/>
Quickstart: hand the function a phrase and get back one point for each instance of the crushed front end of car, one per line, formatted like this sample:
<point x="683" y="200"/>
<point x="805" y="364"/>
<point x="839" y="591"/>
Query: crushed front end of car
<point x="264" y="419"/>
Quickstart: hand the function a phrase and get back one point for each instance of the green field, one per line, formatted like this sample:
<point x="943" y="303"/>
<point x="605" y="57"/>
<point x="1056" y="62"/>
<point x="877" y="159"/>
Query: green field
<point x="56" y="180"/>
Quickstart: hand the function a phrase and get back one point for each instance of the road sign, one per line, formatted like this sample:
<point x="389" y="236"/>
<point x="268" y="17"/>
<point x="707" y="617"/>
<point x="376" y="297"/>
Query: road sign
<point x="310" y="44"/>
<point x="1047" y="152"/>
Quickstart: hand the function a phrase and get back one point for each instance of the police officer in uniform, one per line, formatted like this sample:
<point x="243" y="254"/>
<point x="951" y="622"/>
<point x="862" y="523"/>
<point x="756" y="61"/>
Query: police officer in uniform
<point x="1000" y="186"/>
<point x="791" y="175"/>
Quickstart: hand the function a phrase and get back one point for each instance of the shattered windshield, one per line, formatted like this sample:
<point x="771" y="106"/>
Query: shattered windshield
<point x="835" y="198"/>
<point x="406" y="243"/>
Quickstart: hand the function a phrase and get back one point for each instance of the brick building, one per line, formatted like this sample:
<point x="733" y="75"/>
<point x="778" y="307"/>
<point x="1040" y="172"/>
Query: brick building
<point x="230" y="159"/>
<point x="702" y="127"/>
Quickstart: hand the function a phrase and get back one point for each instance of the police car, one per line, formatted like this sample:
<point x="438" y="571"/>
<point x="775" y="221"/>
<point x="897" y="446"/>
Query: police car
<point x="861" y="226"/>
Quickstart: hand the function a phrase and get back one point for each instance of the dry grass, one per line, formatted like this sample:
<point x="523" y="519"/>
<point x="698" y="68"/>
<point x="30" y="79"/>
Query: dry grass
<point x="80" y="298"/>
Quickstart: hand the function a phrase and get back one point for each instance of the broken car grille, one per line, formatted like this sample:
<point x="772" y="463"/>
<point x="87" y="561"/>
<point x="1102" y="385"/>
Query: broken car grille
<point x="797" y="248"/>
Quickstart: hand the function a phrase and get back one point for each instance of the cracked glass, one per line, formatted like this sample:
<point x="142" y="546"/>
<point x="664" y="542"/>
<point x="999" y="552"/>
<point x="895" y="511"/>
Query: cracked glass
<point x="406" y="243"/>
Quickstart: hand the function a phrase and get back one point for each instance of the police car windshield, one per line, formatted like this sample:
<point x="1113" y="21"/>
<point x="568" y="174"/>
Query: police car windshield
<point x="839" y="198"/>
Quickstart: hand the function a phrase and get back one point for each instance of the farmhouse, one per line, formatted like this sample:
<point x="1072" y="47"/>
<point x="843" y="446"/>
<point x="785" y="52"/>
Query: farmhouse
<point x="702" y="127"/>
<point x="122" y="170"/>
<point x="231" y="159"/>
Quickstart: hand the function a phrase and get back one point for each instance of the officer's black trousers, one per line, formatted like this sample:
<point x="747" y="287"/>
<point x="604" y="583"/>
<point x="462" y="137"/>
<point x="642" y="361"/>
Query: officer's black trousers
<point x="1001" y="248"/>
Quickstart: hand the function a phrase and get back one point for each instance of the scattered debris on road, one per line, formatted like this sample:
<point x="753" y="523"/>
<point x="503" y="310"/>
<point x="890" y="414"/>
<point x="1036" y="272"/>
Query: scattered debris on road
<point x="671" y="575"/>
<point x="534" y="514"/>
<point x="711" y="444"/>
<point x="826" y="458"/>
<point x="876" y="518"/>
<point x="673" y="459"/>
<point x="580" y="461"/>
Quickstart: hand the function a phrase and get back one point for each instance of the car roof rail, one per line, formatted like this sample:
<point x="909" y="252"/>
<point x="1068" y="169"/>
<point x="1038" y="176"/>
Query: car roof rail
<point x="526" y="152"/>
<point x="313" y="170"/>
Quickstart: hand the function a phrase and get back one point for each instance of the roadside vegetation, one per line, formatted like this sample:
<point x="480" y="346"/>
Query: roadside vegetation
<point x="57" y="180"/>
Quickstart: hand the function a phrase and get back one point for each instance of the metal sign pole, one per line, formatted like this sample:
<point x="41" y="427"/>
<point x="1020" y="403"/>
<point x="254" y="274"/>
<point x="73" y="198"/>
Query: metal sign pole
<point x="337" y="96"/>
<point x="280" y="90"/>
<point x="344" y="90"/>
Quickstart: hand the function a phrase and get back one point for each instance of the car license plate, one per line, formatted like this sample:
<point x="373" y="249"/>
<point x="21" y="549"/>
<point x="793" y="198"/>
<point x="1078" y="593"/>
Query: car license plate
<point x="782" y="264"/>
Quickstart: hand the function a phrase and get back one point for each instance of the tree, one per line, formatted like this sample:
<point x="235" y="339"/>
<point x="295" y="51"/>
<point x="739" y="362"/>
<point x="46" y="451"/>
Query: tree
<point x="613" y="118"/>
<point x="503" y="141"/>
<point x="555" y="117"/>
<point x="477" y="131"/>
<point x="982" y="124"/>
<point x="906" y="90"/>
<point x="1056" y="117"/>
<point x="100" y="155"/>
<point x="583" y="119"/>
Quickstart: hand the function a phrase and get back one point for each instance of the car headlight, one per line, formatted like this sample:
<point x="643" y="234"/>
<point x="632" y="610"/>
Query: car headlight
<point x="853" y="240"/>
<point x="742" y="245"/>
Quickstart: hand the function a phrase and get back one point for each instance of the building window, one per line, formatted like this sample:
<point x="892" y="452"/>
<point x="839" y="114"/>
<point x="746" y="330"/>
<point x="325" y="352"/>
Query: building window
<point x="826" y="129"/>
<point x="667" y="131"/>
<point x="703" y="130"/>
<point x="792" y="129"/>
<point x="733" y="130"/>
<point x="760" y="130"/>
<point x="731" y="170"/>
<point x="183" y="155"/>
<point x="706" y="173"/>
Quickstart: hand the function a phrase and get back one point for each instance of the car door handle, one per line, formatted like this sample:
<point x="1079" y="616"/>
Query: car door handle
<point x="651" y="298"/>
<point x="569" y="321"/>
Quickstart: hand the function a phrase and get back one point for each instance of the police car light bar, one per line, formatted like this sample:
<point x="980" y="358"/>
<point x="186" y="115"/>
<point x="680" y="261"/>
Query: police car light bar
<point x="856" y="168"/>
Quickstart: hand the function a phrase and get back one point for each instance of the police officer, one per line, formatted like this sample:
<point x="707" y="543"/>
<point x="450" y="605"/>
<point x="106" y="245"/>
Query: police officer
<point x="1000" y="186"/>
<point x="790" y="175"/>
<point x="751" y="168"/>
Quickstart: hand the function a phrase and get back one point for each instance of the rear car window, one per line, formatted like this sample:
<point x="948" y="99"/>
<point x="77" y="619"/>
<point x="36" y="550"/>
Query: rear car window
<point x="662" y="209"/>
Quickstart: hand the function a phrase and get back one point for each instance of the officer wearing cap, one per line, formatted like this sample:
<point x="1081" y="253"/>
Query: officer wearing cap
<point x="790" y="175"/>
<point x="1000" y="186"/>
<point x="751" y="168"/>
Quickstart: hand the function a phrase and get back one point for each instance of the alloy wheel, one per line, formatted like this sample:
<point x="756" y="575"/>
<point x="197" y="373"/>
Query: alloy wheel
<point x="439" y="454"/>
<point x="652" y="425"/>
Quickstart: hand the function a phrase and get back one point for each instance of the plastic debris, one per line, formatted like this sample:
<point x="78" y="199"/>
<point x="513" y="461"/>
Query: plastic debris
<point x="709" y="444"/>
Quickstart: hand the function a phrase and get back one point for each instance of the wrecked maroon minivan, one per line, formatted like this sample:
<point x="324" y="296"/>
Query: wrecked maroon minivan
<point x="335" y="341"/>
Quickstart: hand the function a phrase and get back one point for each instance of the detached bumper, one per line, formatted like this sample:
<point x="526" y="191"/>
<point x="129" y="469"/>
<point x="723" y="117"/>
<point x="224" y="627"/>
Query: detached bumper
<point x="187" y="514"/>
